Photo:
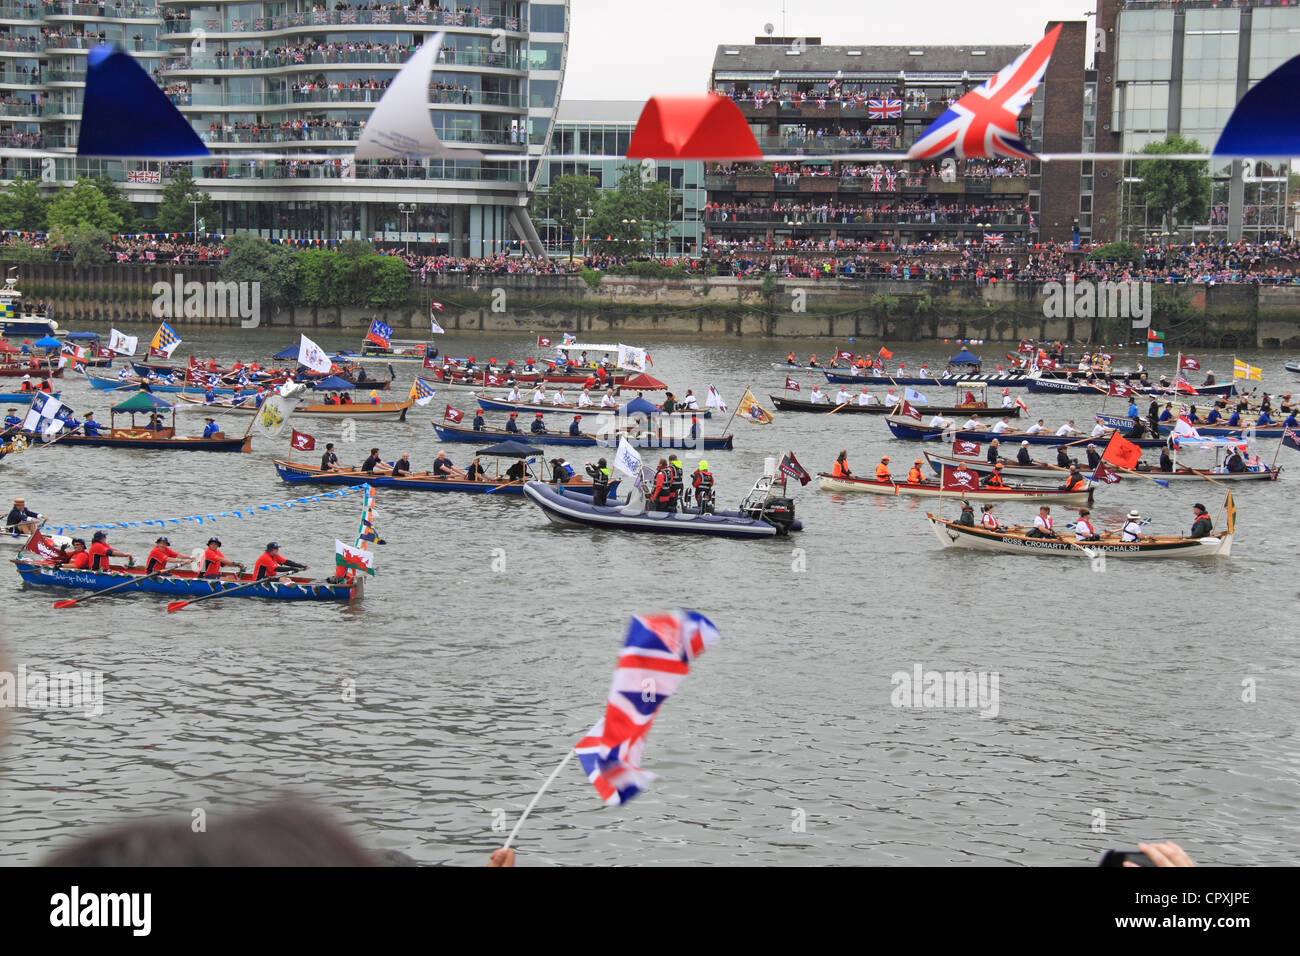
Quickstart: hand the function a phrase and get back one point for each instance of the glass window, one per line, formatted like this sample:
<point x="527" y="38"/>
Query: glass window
<point x="543" y="93"/>
<point x="545" y="56"/>
<point x="547" y="18"/>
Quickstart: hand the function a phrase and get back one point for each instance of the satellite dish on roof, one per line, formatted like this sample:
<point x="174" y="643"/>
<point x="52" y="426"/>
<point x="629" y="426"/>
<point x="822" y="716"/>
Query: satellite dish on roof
<point x="769" y="29"/>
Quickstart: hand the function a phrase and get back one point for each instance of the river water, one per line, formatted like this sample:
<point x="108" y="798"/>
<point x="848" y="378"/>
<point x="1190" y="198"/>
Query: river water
<point x="1145" y="701"/>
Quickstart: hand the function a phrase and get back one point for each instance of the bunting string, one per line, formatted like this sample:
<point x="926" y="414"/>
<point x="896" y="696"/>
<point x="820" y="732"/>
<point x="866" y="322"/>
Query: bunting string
<point x="251" y="511"/>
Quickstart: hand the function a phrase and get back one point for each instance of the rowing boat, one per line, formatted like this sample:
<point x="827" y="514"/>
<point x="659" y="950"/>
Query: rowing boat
<point x="162" y="439"/>
<point x="1018" y="541"/>
<point x="1011" y="469"/>
<point x="911" y="430"/>
<point x="459" y="433"/>
<point x="25" y="396"/>
<point x="179" y="583"/>
<point x="853" y="408"/>
<point x="1005" y="379"/>
<point x="296" y="473"/>
<point x="490" y="404"/>
<point x="1062" y="386"/>
<point x="33" y="371"/>
<point x="362" y="411"/>
<point x="928" y="489"/>
<point x="1247" y="432"/>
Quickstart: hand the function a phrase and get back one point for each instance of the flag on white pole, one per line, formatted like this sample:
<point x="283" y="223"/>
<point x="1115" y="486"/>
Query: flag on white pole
<point x="313" y="356"/>
<point x="630" y="357"/>
<point x="628" y="460"/>
<point x="715" y="400"/>
<point x="122" y="344"/>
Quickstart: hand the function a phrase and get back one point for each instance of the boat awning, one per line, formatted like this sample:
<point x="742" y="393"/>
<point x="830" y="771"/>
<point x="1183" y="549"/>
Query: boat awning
<point x="964" y="357"/>
<point x="83" y="336"/>
<point x="643" y="381"/>
<point x="586" y="347"/>
<point x="285" y="354"/>
<point x="142" y="402"/>
<point x="333" y="384"/>
<point x="640" y="405"/>
<point x="1208" y="444"/>
<point x="47" y="342"/>
<point x="510" y="449"/>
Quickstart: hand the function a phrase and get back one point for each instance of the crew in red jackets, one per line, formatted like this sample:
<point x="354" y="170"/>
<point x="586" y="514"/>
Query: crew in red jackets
<point x="100" y="552"/>
<point x="214" y="561"/>
<point x="161" y="556"/>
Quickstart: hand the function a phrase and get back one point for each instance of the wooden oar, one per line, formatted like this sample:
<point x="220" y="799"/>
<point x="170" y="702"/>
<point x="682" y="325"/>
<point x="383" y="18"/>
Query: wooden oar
<point x="837" y="408"/>
<point x="59" y="605"/>
<point x="177" y="605"/>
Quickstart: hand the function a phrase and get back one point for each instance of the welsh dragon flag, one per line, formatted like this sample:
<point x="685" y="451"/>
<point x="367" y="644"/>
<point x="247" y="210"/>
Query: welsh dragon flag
<point x="347" y="558"/>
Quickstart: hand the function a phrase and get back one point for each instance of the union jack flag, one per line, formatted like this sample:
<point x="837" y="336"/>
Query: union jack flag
<point x="380" y="16"/>
<point x="237" y="25"/>
<point x="884" y="109"/>
<point x="348" y="16"/>
<point x="320" y="16"/>
<point x="212" y="24"/>
<point x="299" y="18"/>
<point x="994" y="237"/>
<point x="421" y="15"/>
<point x="983" y="122"/>
<point x="259" y="24"/>
<point x="458" y="18"/>
<point x="484" y="20"/>
<point x="512" y="23"/>
<point x="891" y="180"/>
<point x="657" y="654"/>
<point x="875" y="182"/>
<point x="299" y="56"/>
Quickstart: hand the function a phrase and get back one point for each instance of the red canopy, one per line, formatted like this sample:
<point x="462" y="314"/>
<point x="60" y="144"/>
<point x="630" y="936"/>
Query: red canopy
<point x="6" y="347"/>
<point x="644" y="382"/>
<point x="692" y="126"/>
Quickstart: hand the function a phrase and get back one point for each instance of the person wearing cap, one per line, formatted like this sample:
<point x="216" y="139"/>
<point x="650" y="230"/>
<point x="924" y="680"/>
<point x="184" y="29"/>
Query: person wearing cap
<point x="988" y="521"/>
<point x="512" y="424"/>
<point x="402" y="466"/>
<point x="1043" y="524"/>
<point x="12" y="420"/>
<point x="1209" y="378"/>
<point x="90" y="426"/>
<point x="479" y="422"/>
<point x="213" y="561"/>
<point x="914" y="474"/>
<point x="1132" y="529"/>
<point x="702" y="484"/>
<point x="79" y="560"/>
<point x="817" y="398"/>
<point x="967" y="516"/>
<point x="865" y="397"/>
<point x="539" y="424"/>
<point x="1094" y="458"/>
<point x="269" y="564"/>
<point x="20" y="520"/>
<point x="1083" y="529"/>
<point x="1201" y="523"/>
<point x="210" y="429"/>
<point x="443" y="467"/>
<point x="882" y="470"/>
<point x="162" y="555"/>
<point x="600" y="474"/>
<point x="575" y="427"/>
<point x="1073" y="481"/>
<point x="101" y="551"/>
<point x="1022" y="456"/>
<point x="994" y="479"/>
<point x="329" y="461"/>
<point x="1007" y="400"/>
<point x="842" y="397"/>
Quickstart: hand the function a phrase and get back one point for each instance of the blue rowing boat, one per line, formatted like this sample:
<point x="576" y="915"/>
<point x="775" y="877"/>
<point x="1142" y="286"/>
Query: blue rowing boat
<point x="1246" y="431"/>
<point x="912" y="431"/>
<point x="1005" y="379"/>
<point x="499" y="405"/>
<point x="294" y="473"/>
<point x="179" y="583"/>
<point x="113" y="384"/>
<point x="461" y="434"/>
<point x="24" y="396"/>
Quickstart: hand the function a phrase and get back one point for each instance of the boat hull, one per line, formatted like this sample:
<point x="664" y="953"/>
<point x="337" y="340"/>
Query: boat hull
<point x="910" y="431"/>
<point x="853" y="408"/>
<point x="1216" y="431"/>
<point x="952" y="535"/>
<point x="310" y="474"/>
<point x="177" y="584"/>
<point x="24" y="396"/>
<point x="383" y="412"/>
<point x="563" y="510"/>
<point x="1062" y="386"/>
<point x="1047" y="471"/>
<point x="490" y="404"/>
<point x="460" y="434"/>
<point x="242" y="444"/>
<point x="1038" y="495"/>
<point x="41" y="371"/>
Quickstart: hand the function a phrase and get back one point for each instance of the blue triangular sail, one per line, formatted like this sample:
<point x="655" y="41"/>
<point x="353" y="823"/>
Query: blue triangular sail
<point x="127" y="115"/>
<point x="1267" y="120"/>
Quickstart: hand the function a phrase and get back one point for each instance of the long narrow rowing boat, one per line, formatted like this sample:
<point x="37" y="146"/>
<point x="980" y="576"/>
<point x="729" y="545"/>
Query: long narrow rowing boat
<point x="179" y="583"/>
<point x="913" y="431"/>
<point x="297" y="473"/>
<point x="1010" y="469"/>
<point x="785" y="404"/>
<point x="490" y="404"/>
<point x="1005" y="379"/>
<point x="362" y="411"/>
<point x="162" y="440"/>
<point x="461" y="434"/>
<point x="1018" y="541"/>
<point x="1064" y="386"/>
<point x="931" y="489"/>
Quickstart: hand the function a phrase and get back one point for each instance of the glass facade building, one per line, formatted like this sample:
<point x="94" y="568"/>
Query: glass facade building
<point x="280" y="91"/>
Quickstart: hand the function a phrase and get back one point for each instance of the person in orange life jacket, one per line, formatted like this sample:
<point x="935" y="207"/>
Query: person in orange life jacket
<point x="914" y="474"/>
<point x="702" y="482"/>
<point x="269" y="564"/>
<point x="214" y="561"/>
<point x="987" y="519"/>
<point x="100" y="552"/>
<point x="678" y="470"/>
<point x="1202" y="525"/>
<point x="789" y="359"/>
<point x="161" y="556"/>
<point x="80" y="558"/>
<point x="882" y="470"/>
<point x="994" y="480"/>
<point x="1083" y="529"/>
<point x="1073" y="481"/>
<point x="841" y="469"/>
<point x="1043" y="524"/>
<point x="662" y="496"/>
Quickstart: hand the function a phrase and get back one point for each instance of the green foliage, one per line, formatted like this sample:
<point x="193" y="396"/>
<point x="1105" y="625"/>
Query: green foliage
<point x="768" y="288"/>
<point x="1170" y="304"/>
<point x="82" y="207"/>
<point x="351" y="276"/>
<point x="21" y="252"/>
<point x="23" y="207"/>
<point x="1174" y="188"/>
<point x="390" y="282"/>
<point x="592" y="278"/>
<point x="648" y="270"/>
<point x="1117" y="252"/>
<point x="631" y="212"/>
<point x="882" y="304"/>
<point x="88" y="246"/>
<point x="564" y="200"/>
<point x="118" y="202"/>
<point x="275" y="266"/>
<point x="176" y="213"/>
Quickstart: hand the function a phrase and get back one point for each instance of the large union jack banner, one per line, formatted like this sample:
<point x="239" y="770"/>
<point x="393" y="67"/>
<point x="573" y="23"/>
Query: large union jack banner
<point x="983" y="122"/>
<point x="380" y="16"/>
<point x="884" y="109"/>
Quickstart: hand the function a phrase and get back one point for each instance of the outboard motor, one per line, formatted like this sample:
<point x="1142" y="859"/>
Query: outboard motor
<point x="778" y="512"/>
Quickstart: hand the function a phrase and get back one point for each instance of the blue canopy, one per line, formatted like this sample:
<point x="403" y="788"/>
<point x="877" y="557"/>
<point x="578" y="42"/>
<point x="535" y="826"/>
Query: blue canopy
<point x="126" y="114"/>
<point x="1266" y="122"/>
<point x="333" y="384"/>
<point x="640" y="405"/>
<point x="47" y="342"/>
<point x="83" y="336"/>
<point x="510" y="449"/>
<point x="964" y="358"/>
<point x="285" y="354"/>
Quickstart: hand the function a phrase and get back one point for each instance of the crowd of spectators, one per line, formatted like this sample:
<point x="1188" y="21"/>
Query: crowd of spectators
<point x="835" y="213"/>
<point x="847" y="96"/>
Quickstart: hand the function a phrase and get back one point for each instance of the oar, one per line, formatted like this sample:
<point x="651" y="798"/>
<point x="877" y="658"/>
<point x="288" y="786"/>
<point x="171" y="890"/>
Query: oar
<point x="177" y="605"/>
<point x="59" y="605"/>
<point x="836" y="409"/>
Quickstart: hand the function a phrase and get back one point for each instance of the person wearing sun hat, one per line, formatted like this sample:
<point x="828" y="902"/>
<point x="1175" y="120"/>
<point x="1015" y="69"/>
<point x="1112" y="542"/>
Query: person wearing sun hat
<point x="161" y="556"/>
<point x="21" y="520"/>
<point x="214" y="561"/>
<point x="1132" y="530"/>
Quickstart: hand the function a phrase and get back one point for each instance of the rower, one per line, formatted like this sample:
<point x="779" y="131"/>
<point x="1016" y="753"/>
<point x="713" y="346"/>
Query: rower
<point x="517" y="471"/>
<point x="987" y="519"/>
<point x="1215" y="415"/>
<point x="12" y="420"/>
<point x="607" y="400"/>
<point x="475" y="471"/>
<point x="1067" y="430"/>
<point x="444" y="468"/>
<point x="1002" y="427"/>
<point x="1083" y="529"/>
<point x="269" y="564"/>
<point x="402" y="466"/>
<point x="79" y="560"/>
<point x="1073" y="480"/>
<point x="1132" y="530"/>
<point x="938" y="421"/>
<point x="162" y="555"/>
<point x="1063" y="459"/>
<point x="21" y="520"/>
<point x="702" y="482"/>
<point x="914" y="474"/>
<point x="967" y="516"/>
<point x="1166" y="462"/>
<point x="973" y="424"/>
<point x="662" y="496"/>
<point x="209" y="395"/>
<point x="599" y="473"/>
<point x="539" y="395"/>
<point x="100" y="552"/>
<point x="90" y="426"/>
<point x="1036" y="427"/>
<point x="789" y="360"/>
<point x="812" y="362"/>
<point x="991" y="456"/>
<point x="882" y="469"/>
<point x="841" y="467"/>
<point x="575" y="427"/>
<point x="816" y="398"/>
<point x="558" y="398"/>
<point x="210" y="429"/>
<point x="864" y="398"/>
<point x="373" y="462"/>
<point x="1201" y="523"/>
<point x="842" y="397"/>
<point x="329" y="461"/>
<point x="512" y="426"/>
<point x="479" y="422"/>
<point x="994" y="480"/>
<point x="584" y="400"/>
<point x="1022" y="456"/>
<point x="1043" y="524"/>
<point x="1094" y="459"/>
<point x="539" y="426"/>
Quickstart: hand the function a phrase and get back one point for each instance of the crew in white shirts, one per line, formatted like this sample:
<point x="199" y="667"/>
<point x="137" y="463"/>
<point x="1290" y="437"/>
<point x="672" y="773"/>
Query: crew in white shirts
<point x="690" y="403"/>
<point x="1098" y="430"/>
<point x="925" y="370"/>
<point x="855" y="370"/>
<point x="1067" y="430"/>
<point x="938" y="421"/>
<point x="1002" y="427"/>
<point x="539" y="396"/>
<point x="607" y="400"/>
<point x="902" y="369"/>
<point x="864" y="398"/>
<point x="817" y="398"/>
<point x="973" y="423"/>
<point x="558" y="398"/>
<point x="1007" y="400"/>
<point x="1083" y="529"/>
<point x="1132" y="530"/>
<point x="1043" y="524"/>
<point x="842" y="397"/>
<point x="514" y="394"/>
<point x="1035" y="428"/>
<point x="584" y="400"/>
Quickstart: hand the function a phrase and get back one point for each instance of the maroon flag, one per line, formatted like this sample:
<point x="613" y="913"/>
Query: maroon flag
<point x="959" y="479"/>
<point x="301" y="441"/>
<point x="1187" y="362"/>
<point x="846" y="356"/>
<point x="964" y="447"/>
<point x="790" y="466"/>
<point x="431" y="362"/>
<point x="907" y="411"/>
<point x="1119" y="390"/>
<point x="42" y="546"/>
<point x="1182" y="385"/>
<point x="543" y="342"/>
<point x="1104" y="474"/>
<point x="491" y="379"/>
<point x="1122" y="452"/>
<point x="453" y="414"/>
<point x="792" y="385"/>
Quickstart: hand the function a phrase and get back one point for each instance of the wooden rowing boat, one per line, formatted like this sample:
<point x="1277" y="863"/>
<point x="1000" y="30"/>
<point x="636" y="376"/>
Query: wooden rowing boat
<point x="162" y="439"/>
<point x="853" y="408"/>
<point x="459" y="433"/>
<point x="491" y="404"/>
<point x="382" y="412"/>
<point x="1012" y="469"/>
<point x="931" y="489"/>
<point x="180" y="583"/>
<point x="298" y="473"/>
<point x="1018" y="541"/>
<point x="912" y="430"/>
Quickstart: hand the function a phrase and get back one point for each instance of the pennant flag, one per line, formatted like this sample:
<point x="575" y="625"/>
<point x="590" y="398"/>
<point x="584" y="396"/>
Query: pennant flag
<point x="791" y="385"/>
<point x="312" y="355"/>
<point x="453" y="414"/>
<point x="628" y="460"/>
<point x="122" y="344"/>
<point x="912" y="395"/>
<point x="959" y="479"/>
<point x="1291" y="440"/>
<point x="693" y="126"/>
<point x="422" y="392"/>
<point x="983" y="123"/>
<point x="1247" y="371"/>
<point x="1189" y="363"/>
<point x="790" y="466"/>
<point x="657" y="654"/>
<point x="1122" y="452"/>
<point x="543" y="342"/>
<point x="631" y="358"/>
<point x="751" y="411"/>
<point x="301" y="441"/>
<point x="1155" y="350"/>
<point x="126" y="114"/>
<point x="1104" y="474"/>
<point x="714" y="400"/>
<point x="348" y="558"/>
<point x="1020" y="403"/>
<point x="164" y="340"/>
<point x="885" y="354"/>
<point x="907" y="411"/>
<point x="380" y="334"/>
<point x="1263" y="123"/>
<point x="1154" y="336"/>
<point x="965" y="448"/>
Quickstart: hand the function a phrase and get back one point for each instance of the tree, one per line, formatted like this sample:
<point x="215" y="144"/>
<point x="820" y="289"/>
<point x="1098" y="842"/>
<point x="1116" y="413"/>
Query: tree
<point x="252" y="259"/>
<point x="620" y="221"/>
<point x="657" y="207"/>
<point x="567" y="201"/>
<point x="1170" y="188"/>
<point x="80" y="208"/>
<point x="176" y="213"/>
<point x="119" y="204"/>
<point x="23" y="207"/>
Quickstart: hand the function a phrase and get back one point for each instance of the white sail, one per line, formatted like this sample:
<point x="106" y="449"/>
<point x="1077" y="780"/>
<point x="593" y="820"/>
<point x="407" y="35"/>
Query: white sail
<point x="400" y="124"/>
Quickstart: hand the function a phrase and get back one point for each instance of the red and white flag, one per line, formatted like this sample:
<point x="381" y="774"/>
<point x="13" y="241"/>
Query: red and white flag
<point x="791" y="384"/>
<point x="491" y="379"/>
<point x="432" y="363"/>
<point x="453" y="414"/>
<point x="959" y="479"/>
<point x="301" y="441"/>
<point x="907" y="411"/>
<point x="43" y="546"/>
<point x="543" y="342"/>
<point x="1104" y="474"/>
<point x="965" y="448"/>
<point x="845" y="356"/>
<point x="1119" y="390"/>
<point x="1184" y="428"/>
<point x="1187" y="362"/>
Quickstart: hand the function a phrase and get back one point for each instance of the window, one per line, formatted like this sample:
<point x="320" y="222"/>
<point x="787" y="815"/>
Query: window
<point x="542" y="93"/>
<point x="545" y="56"/>
<point x="547" y="18"/>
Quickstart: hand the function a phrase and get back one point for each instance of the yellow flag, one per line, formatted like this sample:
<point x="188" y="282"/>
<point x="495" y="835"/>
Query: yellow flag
<point x="1231" y="508"/>
<point x="752" y="412"/>
<point x="1245" y="370"/>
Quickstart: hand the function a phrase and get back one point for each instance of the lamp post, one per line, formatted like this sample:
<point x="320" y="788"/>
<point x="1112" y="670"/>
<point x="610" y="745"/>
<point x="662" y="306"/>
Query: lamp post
<point x="628" y="226"/>
<point x="583" y="215"/>
<point x="194" y="199"/>
<point x="407" y="209"/>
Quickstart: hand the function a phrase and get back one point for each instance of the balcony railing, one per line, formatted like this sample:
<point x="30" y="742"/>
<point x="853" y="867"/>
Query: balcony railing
<point x="213" y="98"/>
<point x="90" y="42"/>
<point x="23" y="79"/>
<point x="395" y="58"/>
<point x="118" y="11"/>
<point x="21" y="11"/>
<point x="20" y="109"/>
<point x="337" y="169"/>
<point x="819" y="145"/>
<point x="420" y="16"/>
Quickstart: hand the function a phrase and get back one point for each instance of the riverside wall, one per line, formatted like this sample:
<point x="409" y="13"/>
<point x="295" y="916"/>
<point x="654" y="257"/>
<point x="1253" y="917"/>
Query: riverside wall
<point x="619" y="307"/>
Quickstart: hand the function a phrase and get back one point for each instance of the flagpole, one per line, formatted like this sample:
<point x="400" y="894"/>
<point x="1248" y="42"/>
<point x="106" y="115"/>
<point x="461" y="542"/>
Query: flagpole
<point x="537" y="796"/>
<point x="736" y="409"/>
